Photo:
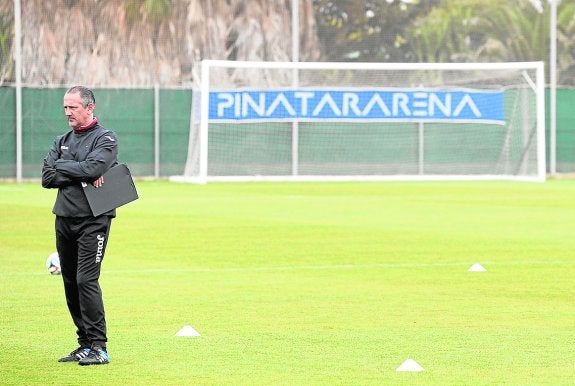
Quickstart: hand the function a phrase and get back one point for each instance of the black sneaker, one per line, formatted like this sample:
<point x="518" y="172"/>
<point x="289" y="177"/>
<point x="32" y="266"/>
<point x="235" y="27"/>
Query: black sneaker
<point x="76" y="355"/>
<point x="96" y="356"/>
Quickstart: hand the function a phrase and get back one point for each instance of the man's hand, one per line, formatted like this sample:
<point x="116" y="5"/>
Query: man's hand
<point x="99" y="182"/>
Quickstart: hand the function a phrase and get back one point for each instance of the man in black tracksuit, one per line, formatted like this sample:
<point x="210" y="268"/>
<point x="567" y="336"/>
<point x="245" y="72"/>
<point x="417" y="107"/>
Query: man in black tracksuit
<point x="82" y="155"/>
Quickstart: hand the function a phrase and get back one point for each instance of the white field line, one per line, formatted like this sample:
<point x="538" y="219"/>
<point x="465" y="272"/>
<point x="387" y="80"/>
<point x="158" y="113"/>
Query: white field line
<point x="280" y="268"/>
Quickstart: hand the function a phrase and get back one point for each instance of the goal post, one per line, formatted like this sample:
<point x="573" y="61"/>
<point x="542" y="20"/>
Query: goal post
<point x="311" y="121"/>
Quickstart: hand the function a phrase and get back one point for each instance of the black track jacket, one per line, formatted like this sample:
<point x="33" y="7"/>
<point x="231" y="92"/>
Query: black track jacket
<point x="75" y="157"/>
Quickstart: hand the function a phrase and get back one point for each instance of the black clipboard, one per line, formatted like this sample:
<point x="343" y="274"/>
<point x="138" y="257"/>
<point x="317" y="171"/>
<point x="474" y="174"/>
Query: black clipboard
<point x="118" y="189"/>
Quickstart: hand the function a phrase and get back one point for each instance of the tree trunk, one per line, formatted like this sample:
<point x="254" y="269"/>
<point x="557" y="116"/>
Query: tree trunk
<point x="97" y="43"/>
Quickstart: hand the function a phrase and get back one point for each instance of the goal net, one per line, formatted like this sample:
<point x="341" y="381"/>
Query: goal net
<point x="284" y="121"/>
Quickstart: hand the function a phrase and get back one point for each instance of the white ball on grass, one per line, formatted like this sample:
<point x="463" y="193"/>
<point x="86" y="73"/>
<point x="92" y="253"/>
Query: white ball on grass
<point x="53" y="264"/>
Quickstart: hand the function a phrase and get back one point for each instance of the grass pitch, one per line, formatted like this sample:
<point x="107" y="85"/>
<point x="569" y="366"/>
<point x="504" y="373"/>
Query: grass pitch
<point x="306" y="284"/>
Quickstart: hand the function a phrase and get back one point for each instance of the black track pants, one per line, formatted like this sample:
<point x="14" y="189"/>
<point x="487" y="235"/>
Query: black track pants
<point x="81" y="243"/>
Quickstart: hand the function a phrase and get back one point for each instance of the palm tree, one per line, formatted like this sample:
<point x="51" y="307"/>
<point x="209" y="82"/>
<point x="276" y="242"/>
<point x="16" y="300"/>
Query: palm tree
<point x="514" y="31"/>
<point x="495" y="31"/>
<point x="143" y="42"/>
<point x="449" y="33"/>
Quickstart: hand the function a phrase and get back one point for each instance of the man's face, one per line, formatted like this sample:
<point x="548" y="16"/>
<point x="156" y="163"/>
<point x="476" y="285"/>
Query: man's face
<point x="76" y="113"/>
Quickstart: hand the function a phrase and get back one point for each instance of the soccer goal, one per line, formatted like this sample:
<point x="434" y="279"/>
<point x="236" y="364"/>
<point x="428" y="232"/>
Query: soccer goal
<point x="286" y="121"/>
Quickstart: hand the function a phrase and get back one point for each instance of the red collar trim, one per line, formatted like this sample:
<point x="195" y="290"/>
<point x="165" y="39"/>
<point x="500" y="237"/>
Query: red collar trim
<point x="88" y="126"/>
